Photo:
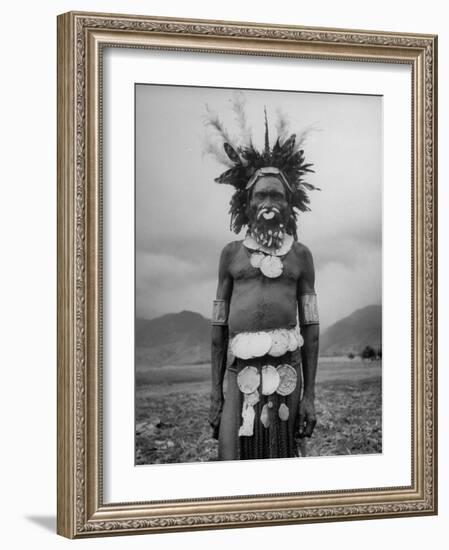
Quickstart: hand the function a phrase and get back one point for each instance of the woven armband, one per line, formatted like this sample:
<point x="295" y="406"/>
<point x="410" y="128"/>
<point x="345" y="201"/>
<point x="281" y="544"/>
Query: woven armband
<point x="308" y="310"/>
<point x="220" y="312"/>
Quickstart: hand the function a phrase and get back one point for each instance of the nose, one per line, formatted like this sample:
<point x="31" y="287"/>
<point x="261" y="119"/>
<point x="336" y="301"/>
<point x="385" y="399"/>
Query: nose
<point x="268" y="203"/>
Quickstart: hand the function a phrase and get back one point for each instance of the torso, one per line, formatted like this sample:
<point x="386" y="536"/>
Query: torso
<point x="259" y="302"/>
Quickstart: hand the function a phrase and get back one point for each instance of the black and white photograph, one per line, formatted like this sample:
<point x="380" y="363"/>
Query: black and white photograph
<point x="258" y="274"/>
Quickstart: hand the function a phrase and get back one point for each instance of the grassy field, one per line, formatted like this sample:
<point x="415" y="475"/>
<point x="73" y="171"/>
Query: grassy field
<point x="172" y="405"/>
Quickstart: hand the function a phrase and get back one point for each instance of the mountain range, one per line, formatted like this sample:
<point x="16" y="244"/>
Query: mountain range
<point x="173" y="339"/>
<point x="353" y="333"/>
<point x="184" y="338"/>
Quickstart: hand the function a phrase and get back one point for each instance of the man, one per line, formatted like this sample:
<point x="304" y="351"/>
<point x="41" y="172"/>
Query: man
<point x="265" y="285"/>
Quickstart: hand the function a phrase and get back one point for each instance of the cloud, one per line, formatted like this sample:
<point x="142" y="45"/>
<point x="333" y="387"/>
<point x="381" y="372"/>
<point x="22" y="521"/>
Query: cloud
<point x="165" y="283"/>
<point x="341" y="289"/>
<point x="167" y="271"/>
<point x="345" y="249"/>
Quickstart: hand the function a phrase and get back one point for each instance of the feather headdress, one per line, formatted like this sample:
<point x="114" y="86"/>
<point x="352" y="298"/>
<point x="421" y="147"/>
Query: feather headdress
<point x="245" y="160"/>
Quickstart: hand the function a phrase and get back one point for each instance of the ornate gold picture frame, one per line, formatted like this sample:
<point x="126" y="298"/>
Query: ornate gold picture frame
<point x="82" y="40"/>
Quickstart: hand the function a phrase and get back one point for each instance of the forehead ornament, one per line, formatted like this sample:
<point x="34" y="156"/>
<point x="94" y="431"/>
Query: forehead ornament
<point x="268" y="171"/>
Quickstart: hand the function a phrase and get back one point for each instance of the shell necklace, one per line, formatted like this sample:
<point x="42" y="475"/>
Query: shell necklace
<point x="265" y="259"/>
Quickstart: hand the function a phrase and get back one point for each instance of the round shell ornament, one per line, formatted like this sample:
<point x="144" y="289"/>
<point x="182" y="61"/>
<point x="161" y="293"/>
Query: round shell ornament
<point x="270" y="380"/>
<point x="256" y="259"/>
<point x="265" y="416"/>
<point x="292" y="340"/>
<point x="234" y="343"/>
<point x="240" y="347"/>
<point x="271" y="266"/>
<point x="279" y="342"/>
<point x="299" y="337"/>
<point x="268" y="215"/>
<point x="288" y="379"/>
<point x="248" y="380"/>
<point x="283" y="412"/>
<point x="258" y="343"/>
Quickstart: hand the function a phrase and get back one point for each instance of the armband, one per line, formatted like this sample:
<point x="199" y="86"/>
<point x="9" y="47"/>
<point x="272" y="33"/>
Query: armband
<point x="308" y="310"/>
<point x="220" y="312"/>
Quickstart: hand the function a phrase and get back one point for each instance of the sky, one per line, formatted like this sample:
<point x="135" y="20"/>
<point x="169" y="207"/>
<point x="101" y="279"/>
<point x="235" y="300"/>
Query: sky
<point x="182" y="220"/>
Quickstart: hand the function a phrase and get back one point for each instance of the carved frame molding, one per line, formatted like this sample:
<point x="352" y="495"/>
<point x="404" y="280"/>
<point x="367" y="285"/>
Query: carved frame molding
<point x="81" y="38"/>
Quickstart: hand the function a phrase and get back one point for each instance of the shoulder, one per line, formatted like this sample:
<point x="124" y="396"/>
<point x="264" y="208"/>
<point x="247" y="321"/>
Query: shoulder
<point x="227" y="256"/>
<point x="305" y="260"/>
<point x="232" y="247"/>
<point x="230" y="250"/>
<point x="303" y="253"/>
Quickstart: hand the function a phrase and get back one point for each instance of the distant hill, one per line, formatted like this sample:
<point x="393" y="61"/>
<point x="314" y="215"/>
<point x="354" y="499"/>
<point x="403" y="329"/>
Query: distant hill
<point x="184" y="338"/>
<point x="173" y="339"/>
<point x="351" y="334"/>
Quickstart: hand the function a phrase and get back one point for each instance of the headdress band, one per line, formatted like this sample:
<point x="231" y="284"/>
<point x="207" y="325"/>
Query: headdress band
<point x="268" y="171"/>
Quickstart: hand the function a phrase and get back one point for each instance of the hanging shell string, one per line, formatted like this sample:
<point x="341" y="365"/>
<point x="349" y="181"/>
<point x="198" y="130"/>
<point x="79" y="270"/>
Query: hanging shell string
<point x="272" y="428"/>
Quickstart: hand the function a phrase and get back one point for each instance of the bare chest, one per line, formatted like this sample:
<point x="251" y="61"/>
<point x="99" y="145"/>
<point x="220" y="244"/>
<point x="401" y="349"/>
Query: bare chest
<point x="241" y="268"/>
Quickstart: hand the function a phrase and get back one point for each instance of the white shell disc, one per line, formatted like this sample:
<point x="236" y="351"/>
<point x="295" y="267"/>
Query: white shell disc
<point x="271" y="266"/>
<point x="248" y="380"/>
<point x="240" y="346"/>
<point x="283" y="412"/>
<point x="265" y="416"/>
<point x="259" y="343"/>
<point x="288" y="378"/>
<point x="233" y="343"/>
<point x="292" y="340"/>
<point x="299" y="337"/>
<point x="279" y="342"/>
<point x="256" y="259"/>
<point x="270" y="380"/>
<point x="248" y="416"/>
<point x="252" y="398"/>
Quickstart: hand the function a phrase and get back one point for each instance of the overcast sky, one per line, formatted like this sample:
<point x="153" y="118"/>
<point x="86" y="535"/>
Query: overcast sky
<point x="182" y="220"/>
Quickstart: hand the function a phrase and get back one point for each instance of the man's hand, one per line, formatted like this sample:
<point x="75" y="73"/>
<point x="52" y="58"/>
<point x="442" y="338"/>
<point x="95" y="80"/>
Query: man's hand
<point x="215" y="410"/>
<point x="306" y="418"/>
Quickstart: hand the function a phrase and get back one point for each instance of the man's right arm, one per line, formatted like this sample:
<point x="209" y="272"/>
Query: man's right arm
<point x="220" y="336"/>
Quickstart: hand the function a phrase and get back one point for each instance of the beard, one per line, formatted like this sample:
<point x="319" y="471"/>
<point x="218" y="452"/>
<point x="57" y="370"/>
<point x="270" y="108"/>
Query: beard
<point x="267" y="226"/>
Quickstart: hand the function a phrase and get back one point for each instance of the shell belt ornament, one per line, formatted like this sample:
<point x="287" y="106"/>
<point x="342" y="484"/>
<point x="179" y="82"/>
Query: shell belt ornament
<point x="277" y="342"/>
<point x="254" y="382"/>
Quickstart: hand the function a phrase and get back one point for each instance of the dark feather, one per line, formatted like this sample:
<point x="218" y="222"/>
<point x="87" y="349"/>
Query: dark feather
<point x="306" y="167"/>
<point x="229" y="176"/>
<point x="232" y="153"/>
<point x="309" y="186"/>
<point x="276" y="149"/>
<point x="296" y="158"/>
<point x="288" y="146"/>
<point x="267" y="137"/>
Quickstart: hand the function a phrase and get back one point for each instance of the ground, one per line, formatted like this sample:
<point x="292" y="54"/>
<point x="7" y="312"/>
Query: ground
<point x="172" y="405"/>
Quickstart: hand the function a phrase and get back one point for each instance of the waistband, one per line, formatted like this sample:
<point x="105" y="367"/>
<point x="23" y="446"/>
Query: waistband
<point x="292" y="358"/>
<point x="272" y="344"/>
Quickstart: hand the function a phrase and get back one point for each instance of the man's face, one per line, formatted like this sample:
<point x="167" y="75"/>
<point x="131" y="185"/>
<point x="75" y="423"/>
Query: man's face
<point x="268" y="211"/>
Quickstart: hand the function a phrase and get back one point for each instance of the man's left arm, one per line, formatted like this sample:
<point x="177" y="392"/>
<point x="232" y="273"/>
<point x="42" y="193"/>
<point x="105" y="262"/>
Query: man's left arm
<point x="310" y="330"/>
